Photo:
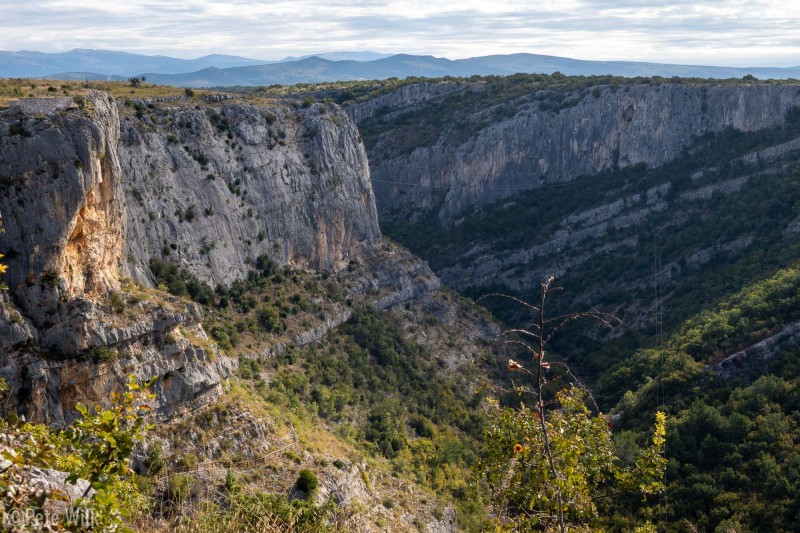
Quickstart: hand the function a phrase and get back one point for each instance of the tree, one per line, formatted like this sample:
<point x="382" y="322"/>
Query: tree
<point x="548" y="465"/>
<point x="135" y="81"/>
<point x="96" y="448"/>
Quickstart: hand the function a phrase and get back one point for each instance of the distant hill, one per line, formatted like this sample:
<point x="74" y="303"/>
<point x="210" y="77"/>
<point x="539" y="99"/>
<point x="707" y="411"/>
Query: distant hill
<point x="222" y="70"/>
<point x="316" y="69"/>
<point x="341" y="56"/>
<point x="26" y="64"/>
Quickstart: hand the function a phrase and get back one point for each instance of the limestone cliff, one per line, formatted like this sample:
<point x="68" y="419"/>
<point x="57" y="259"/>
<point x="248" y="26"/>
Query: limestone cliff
<point x="90" y="194"/>
<point x="62" y="206"/>
<point x="481" y="154"/>
<point x="214" y="187"/>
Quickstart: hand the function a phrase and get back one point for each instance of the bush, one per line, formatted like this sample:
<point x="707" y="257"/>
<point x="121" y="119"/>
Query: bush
<point x="155" y="459"/>
<point x="190" y="460"/>
<point x="249" y="368"/>
<point x="270" y="320"/>
<point x="307" y="481"/>
<point x="96" y="447"/>
<point x="179" y="487"/>
<point x="101" y="354"/>
<point x="117" y="302"/>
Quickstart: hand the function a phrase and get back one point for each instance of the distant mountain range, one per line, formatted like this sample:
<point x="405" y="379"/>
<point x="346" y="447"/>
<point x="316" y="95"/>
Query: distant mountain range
<point x="225" y="70"/>
<point x="25" y="64"/>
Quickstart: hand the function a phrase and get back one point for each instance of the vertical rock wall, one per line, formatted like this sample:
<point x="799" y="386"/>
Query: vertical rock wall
<point x="61" y="198"/>
<point x="608" y="128"/>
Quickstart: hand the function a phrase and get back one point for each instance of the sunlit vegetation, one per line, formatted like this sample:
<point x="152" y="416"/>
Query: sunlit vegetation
<point x="388" y="396"/>
<point x="733" y="447"/>
<point x="96" y="449"/>
<point x="270" y="302"/>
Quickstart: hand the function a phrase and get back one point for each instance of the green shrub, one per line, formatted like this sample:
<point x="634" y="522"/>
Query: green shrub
<point x="249" y="368"/>
<point x="179" y="487"/>
<point x="189" y="460"/>
<point x="269" y="320"/>
<point x="155" y="459"/>
<point x="232" y="483"/>
<point x="95" y="447"/>
<point x="101" y="354"/>
<point x="307" y="481"/>
<point x="117" y="302"/>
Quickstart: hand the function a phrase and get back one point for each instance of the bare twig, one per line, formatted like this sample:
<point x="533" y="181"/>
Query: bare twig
<point x="544" y="331"/>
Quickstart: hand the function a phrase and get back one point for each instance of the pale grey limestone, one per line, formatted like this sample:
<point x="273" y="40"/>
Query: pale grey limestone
<point x="621" y="127"/>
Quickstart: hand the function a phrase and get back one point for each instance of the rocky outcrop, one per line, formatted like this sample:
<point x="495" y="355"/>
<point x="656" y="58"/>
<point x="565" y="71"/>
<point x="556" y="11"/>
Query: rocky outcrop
<point x="614" y="127"/>
<point x="62" y="205"/>
<point x="750" y="358"/>
<point x="89" y="195"/>
<point x="213" y="188"/>
<point x="395" y="277"/>
<point x="388" y="277"/>
<point x="154" y="342"/>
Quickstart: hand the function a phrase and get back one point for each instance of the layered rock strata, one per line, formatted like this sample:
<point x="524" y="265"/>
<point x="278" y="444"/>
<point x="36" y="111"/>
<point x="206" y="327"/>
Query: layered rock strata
<point x="607" y="128"/>
<point x="90" y="194"/>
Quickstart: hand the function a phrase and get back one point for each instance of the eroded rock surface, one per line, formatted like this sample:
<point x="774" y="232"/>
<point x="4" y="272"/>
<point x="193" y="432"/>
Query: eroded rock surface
<point x="90" y="195"/>
<point x="614" y="127"/>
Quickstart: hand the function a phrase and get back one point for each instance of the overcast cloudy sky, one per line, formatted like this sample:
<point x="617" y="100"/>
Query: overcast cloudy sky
<point x="722" y="32"/>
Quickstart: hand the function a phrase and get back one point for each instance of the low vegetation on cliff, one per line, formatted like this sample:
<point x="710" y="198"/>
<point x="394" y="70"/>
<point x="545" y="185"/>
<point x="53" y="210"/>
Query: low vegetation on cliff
<point x="359" y="394"/>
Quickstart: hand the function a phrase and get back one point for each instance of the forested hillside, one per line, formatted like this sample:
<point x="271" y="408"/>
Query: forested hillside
<point x="696" y="255"/>
<point x="308" y="374"/>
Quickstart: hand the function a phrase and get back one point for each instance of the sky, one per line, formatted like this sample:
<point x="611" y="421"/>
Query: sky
<point x="728" y="33"/>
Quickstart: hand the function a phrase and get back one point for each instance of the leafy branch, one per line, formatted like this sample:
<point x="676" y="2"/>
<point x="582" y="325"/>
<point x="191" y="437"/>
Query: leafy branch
<point x="548" y="466"/>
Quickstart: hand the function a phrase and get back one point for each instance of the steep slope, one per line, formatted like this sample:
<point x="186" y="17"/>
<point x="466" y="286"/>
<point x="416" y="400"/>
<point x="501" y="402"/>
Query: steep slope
<point x="214" y="186"/>
<point x="470" y="144"/>
<point x="728" y="379"/>
<point x="86" y="208"/>
<point x="65" y="228"/>
<point x="652" y="246"/>
<point x="679" y="214"/>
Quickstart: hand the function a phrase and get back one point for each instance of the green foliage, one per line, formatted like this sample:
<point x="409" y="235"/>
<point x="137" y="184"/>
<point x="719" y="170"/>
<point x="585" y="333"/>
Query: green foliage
<point x="96" y="447"/>
<point x="737" y="462"/>
<point x="117" y="302"/>
<point x="101" y="354"/>
<point x="155" y="459"/>
<point x="181" y="282"/>
<point x="522" y="487"/>
<point x="179" y="487"/>
<point x="256" y="511"/>
<point x="739" y="320"/>
<point x="755" y="216"/>
<point x="232" y="483"/>
<point x="264" y="305"/>
<point x="307" y="482"/>
<point x="388" y="394"/>
<point x="269" y="319"/>
<point x="732" y="445"/>
<point x="743" y="318"/>
<point x="249" y="368"/>
<point x="225" y="334"/>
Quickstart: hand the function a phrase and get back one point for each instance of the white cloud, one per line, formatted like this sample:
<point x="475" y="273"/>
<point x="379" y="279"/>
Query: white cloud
<point x="726" y="32"/>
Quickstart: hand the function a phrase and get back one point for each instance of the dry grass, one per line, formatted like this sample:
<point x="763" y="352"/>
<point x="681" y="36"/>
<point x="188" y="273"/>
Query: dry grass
<point x="12" y="89"/>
